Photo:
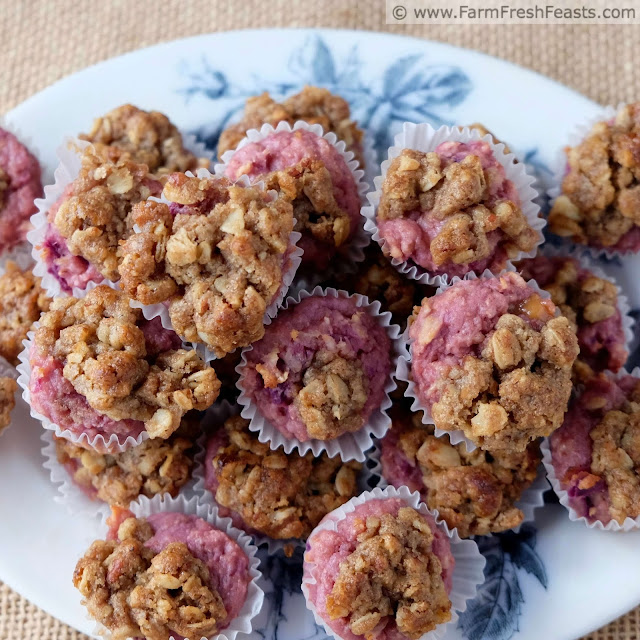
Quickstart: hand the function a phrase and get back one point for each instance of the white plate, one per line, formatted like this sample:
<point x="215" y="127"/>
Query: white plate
<point x="556" y="580"/>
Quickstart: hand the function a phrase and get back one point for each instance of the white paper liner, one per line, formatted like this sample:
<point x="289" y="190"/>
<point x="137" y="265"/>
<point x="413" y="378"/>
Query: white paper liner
<point x="354" y="250"/>
<point x="293" y="258"/>
<point x="532" y="497"/>
<point x="403" y="371"/>
<point x="423" y="137"/>
<point x="468" y="572"/>
<point x="350" y="446"/>
<point x="69" y="164"/>
<point x="242" y="624"/>
<point x="220" y="413"/>
<point x="629" y="524"/>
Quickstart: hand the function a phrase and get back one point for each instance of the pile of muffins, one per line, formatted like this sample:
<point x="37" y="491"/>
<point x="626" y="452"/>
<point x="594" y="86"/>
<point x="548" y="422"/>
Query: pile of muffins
<point x="268" y="351"/>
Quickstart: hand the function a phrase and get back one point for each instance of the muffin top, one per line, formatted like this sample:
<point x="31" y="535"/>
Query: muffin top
<point x="600" y="201"/>
<point x="217" y="256"/>
<point x="8" y="388"/>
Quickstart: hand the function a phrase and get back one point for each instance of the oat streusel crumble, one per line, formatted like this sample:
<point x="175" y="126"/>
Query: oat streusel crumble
<point x="8" y="388"/>
<point x="217" y="255"/>
<point x="100" y="341"/>
<point x="392" y="573"/>
<point x="22" y="300"/>
<point x="490" y="358"/>
<point x="313" y="105"/>
<point x="135" y="592"/>
<point x="452" y="210"/>
<point x="600" y="200"/>
<point x="474" y="492"/>
<point x="278" y="494"/>
<point x="149" y="137"/>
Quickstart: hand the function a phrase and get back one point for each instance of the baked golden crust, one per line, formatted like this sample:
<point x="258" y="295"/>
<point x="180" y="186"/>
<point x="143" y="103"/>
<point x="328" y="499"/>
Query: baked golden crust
<point x="600" y="200"/>
<point x="281" y="495"/>
<point x="22" y="300"/>
<point x="8" y="388"/>
<point x="391" y="573"/>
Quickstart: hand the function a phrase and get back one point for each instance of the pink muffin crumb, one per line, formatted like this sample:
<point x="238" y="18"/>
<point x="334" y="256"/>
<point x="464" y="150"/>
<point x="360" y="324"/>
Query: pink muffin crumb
<point x="335" y="557"/>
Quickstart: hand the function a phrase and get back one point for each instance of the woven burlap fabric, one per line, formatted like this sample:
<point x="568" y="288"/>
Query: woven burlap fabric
<point x="42" y="41"/>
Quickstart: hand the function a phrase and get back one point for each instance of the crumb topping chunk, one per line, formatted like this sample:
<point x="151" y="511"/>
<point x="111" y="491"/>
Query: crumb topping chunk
<point x="8" y="388"/>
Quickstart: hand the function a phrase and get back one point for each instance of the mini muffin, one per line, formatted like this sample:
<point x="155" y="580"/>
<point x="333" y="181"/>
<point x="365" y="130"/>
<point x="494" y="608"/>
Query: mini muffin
<point x="20" y="185"/>
<point x="490" y="358"/>
<point x="474" y="492"/>
<point x="320" y="370"/>
<point x="8" y="388"/>
<point x="313" y="105"/>
<point x="312" y="174"/>
<point x="92" y="217"/>
<point x="599" y="204"/>
<point x="98" y="368"/>
<point x="148" y="137"/>
<point x="591" y="304"/>
<point x="452" y="210"/>
<point x="169" y="574"/>
<point x="157" y="466"/>
<point x="217" y="256"/>
<point x="277" y="494"/>
<point x="22" y="300"/>
<point x="478" y="126"/>
<point x="596" y="452"/>
<point x="385" y="573"/>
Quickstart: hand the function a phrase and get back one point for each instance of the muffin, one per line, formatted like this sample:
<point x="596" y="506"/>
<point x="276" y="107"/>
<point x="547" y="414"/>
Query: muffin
<point x="490" y="358"/>
<point x="314" y="105"/>
<point x="313" y="175"/>
<point x="452" y="210"/>
<point x="475" y="492"/>
<point x="321" y="369"/>
<point x="385" y="572"/>
<point x="273" y="493"/>
<point x="154" y="467"/>
<point x="8" y="388"/>
<point x="169" y="574"/>
<point x="599" y="203"/>
<point x="20" y="185"/>
<point x="102" y="374"/>
<point x="483" y="131"/>
<point x="591" y="304"/>
<point x="22" y="300"/>
<point x="595" y="455"/>
<point x="218" y="256"/>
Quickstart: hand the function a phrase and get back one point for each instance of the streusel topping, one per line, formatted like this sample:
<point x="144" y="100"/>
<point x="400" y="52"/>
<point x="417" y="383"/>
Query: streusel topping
<point x="94" y="217"/>
<point x="8" y="388"/>
<point x="281" y="495"/>
<point x="149" y="137"/>
<point x="134" y="592"/>
<point x="393" y="573"/>
<point x="22" y="300"/>
<point x="600" y="200"/>
<point x="460" y="196"/>
<point x="313" y="105"/>
<point x="100" y="340"/>
<point x="217" y="256"/>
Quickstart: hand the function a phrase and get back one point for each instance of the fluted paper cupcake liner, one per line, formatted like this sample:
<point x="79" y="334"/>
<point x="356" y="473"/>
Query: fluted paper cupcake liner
<point x="349" y="446"/>
<point x="423" y="137"/>
<point x="243" y="623"/>
<point x="354" y="250"/>
<point x="69" y="164"/>
<point x="468" y="572"/>
<point x="629" y="524"/>
<point x="403" y="371"/>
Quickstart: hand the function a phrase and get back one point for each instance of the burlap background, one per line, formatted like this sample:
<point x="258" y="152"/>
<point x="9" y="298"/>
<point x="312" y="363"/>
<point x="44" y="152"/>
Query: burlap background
<point x="41" y="41"/>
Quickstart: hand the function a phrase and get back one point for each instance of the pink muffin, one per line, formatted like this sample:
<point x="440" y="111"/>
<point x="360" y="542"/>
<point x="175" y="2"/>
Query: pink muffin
<point x="590" y="302"/>
<point x="320" y="370"/>
<point x="596" y="452"/>
<point x="489" y="358"/>
<point x="169" y="574"/>
<point x="385" y="573"/>
<point x="314" y="176"/>
<point x="103" y="373"/>
<point x="452" y="210"/>
<point x="20" y="185"/>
